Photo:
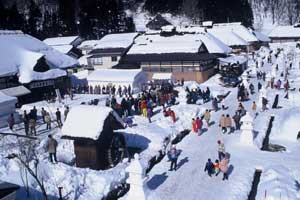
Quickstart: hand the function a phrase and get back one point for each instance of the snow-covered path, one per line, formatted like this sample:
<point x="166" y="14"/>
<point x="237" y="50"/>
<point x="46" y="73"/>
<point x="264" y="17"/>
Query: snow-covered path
<point x="191" y="182"/>
<point x="190" y="179"/>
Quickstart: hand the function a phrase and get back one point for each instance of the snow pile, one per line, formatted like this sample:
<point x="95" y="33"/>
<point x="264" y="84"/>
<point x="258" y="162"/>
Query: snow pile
<point x="278" y="183"/>
<point x="91" y="128"/>
<point x="118" y="40"/>
<point x="286" y="125"/>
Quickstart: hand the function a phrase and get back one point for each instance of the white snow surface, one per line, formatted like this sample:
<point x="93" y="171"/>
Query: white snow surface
<point x="117" y="40"/>
<point x="67" y="40"/>
<point x="92" y="127"/>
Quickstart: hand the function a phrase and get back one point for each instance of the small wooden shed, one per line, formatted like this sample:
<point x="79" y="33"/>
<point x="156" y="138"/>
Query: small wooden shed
<point x="92" y="129"/>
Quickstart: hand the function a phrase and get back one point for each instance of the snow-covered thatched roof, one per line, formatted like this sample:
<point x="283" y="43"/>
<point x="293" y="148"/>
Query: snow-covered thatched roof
<point x="228" y="37"/>
<point x="92" y="126"/>
<point x="238" y="29"/>
<point x="118" y="40"/>
<point x="178" y="43"/>
<point x="20" y="53"/>
<point x="285" y="32"/>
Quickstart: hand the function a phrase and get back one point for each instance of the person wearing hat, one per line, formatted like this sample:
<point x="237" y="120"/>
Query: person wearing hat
<point x="221" y="150"/>
<point x="173" y="158"/>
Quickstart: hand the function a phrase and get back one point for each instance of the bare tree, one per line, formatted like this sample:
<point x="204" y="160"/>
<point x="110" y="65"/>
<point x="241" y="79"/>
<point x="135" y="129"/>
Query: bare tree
<point x="25" y="157"/>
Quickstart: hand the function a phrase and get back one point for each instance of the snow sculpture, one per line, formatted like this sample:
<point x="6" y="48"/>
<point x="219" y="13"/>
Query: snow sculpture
<point x="247" y="130"/>
<point x="136" y="180"/>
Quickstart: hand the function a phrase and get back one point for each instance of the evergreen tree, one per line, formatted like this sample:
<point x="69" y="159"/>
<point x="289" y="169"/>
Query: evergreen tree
<point x="34" y="22"/>
<point x="15" y="20"/>
<point x="67" y="17"/>
<point x="3" y="16"/>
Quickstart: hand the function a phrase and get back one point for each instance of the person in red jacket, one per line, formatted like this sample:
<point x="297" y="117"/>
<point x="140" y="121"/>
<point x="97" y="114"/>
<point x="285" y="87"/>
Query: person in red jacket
<point x="173" y="117"/>
<point x="194" y="124"/>
<point x="199" y="125"/>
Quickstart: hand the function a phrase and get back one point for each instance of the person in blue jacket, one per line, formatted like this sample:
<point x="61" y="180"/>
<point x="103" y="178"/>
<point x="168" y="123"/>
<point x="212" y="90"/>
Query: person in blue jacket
<point x="209" y="167"/>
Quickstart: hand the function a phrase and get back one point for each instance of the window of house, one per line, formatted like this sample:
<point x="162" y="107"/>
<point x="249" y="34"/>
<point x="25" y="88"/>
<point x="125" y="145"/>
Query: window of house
<point x="114" y="58"/>
<point x="98" y="61"/>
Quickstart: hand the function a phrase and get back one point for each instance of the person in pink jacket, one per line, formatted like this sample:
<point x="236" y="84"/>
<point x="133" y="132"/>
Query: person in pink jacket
<point x="224" y="167"/>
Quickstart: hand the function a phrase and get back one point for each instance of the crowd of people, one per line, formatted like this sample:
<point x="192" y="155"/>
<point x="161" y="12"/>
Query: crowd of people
<point x="197" y="94"/>
<point x="143" y="104"/>
<point x="30" y="119"/>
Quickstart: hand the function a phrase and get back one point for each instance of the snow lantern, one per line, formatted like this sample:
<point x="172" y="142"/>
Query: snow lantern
<point x="262" y="94"/>
<point x="247" y="130"/>
<point x="136" y="179"/>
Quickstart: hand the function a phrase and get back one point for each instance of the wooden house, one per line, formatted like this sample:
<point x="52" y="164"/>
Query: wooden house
<point x="188" y="56"/>
<point x="94" y="138"/>
<point x="109" y="50"/>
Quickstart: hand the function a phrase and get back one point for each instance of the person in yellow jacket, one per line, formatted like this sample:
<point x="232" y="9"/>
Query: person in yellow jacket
<point x="207" y="117"/>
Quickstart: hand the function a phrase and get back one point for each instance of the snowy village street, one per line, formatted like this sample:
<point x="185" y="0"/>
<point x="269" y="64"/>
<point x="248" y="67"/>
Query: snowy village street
<point x="190" y="181"/>
<point x="149" y="100"/>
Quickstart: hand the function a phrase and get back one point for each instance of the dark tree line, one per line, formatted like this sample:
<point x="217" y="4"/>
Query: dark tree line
<point x="218" y="11"/>
<point x="89" y="18"/>
<point x="94" y="18"/>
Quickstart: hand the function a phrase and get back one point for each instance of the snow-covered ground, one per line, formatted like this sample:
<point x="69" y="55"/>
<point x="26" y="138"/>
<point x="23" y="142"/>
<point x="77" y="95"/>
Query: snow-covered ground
<point x="280" y="170"/>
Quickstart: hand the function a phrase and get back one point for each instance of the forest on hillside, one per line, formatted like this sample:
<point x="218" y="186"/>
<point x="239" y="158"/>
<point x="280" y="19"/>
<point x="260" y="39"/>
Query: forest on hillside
<point x="94" y="18"/>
